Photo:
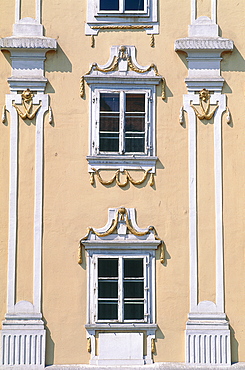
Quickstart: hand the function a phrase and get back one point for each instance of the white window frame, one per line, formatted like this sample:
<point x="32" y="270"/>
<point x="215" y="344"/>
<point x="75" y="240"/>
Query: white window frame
<point x="149" y="126"/>
<point x="149" y="287"/>
<point x="97" y="18"/>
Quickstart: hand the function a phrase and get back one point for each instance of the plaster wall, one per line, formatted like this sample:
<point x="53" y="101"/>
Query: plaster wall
<point x="71" y="204"/>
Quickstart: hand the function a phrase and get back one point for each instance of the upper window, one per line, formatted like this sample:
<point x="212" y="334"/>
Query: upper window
<point x="122" y="113"/>
<point x="121" y="14"/>
<point x="122" y="5"/>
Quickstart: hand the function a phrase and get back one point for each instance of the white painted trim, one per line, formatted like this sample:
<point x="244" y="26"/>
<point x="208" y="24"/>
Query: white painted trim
<point x="192" y="199"/>
<point x="13" y="197"/>
<point x="38" y="222"/>
<point x="17" y="10"/>
<point x="193" y="11"/>
<point x="218" y="171"/>
<point x="38" y="11"/>
<point x="214" y="11"/>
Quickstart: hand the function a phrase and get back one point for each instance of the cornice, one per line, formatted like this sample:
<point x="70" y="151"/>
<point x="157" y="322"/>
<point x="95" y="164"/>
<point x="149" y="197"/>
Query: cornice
<point x="191" y="43"/>
<point x="16" y="42"/>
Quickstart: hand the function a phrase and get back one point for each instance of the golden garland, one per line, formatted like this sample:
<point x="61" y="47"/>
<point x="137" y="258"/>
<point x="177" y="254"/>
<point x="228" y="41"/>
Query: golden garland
<point x="117" y="179"/>
<point x="121" y="215"/>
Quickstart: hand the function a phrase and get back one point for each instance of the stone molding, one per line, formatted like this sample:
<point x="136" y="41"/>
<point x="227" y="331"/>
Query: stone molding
<point x="14" y="42"/>
<point x="190" y="43"/>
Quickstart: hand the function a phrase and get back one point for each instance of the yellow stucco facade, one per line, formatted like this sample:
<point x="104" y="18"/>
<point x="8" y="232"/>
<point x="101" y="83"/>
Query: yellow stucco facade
<point x="70" y="204"/>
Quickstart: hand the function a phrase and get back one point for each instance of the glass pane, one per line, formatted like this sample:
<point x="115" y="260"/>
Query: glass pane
<point x="108" y="289"/>
<point x="135" y="122"/>
<point x="109" y="142"/>
<point x="108" y="267"/>
<point x="109" y="122"/>
<point x="109" y="4"/>
<point x="133" y="289"/>
<point x="109" y="102"/>
<point x="133" y="267"/>
<point x="134" y="4"/>
<point x="134" y="311"/>
<point x="107" y="310"/>
<point x="135" y="145"/>
<point x="135" y="102"/>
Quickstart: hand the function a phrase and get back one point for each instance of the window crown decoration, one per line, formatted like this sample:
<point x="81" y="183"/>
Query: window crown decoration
<point x="122" y="64"/>
<point x="121" y="228"/>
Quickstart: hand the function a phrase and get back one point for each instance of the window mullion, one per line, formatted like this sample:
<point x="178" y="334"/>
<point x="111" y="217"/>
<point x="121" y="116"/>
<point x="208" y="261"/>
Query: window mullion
<point x="121" y="6"/>
<point x="122" y="123"/>
<point x="120" y="289"/>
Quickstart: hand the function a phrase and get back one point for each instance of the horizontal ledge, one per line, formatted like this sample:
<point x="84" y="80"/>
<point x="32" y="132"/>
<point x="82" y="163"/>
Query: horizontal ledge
<point x="14" y="42"/>
<point x="198" y="43"/>
<point x="122" y="326"/>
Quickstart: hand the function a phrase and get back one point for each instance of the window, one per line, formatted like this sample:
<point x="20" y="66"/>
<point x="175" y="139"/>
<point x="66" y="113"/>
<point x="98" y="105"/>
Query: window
<point x="121" y="14"/>
<point x="122" y="113"/>
<point x="122" y="122"/>
<point x="121" y="289"/>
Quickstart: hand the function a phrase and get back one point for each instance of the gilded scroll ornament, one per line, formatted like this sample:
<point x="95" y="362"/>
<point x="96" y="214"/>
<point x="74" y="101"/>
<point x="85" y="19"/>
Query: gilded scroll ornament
<point x="92" y="41"/>
<point x="89" y="345"/>
<point x="116" y="177"/>
<point x="204" y="97"/>
<point x="122" y="54"/>
<point x="152" y="43"/>
<point x="27" y="104"/>
<point x="153" y="345"/>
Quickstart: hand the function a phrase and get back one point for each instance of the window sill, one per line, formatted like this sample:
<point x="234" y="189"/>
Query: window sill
<point x="122" y="162"/>
<point x="122" y="326"/>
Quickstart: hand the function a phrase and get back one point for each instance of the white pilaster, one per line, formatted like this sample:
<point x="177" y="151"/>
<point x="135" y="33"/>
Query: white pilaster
<point x="207" y="329"/>
<point x="23" y="333"/>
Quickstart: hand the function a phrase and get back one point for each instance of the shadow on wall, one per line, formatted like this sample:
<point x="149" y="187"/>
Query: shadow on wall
<point x="234" y="347"/>
<point x="57" y="61"/>
<point x="49" y="360"/>
<point x="233" y="62"/>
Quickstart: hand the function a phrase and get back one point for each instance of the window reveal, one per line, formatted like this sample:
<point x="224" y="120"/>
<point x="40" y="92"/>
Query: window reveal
<point x="122" y="122"/>
<point x="121" y="289"/>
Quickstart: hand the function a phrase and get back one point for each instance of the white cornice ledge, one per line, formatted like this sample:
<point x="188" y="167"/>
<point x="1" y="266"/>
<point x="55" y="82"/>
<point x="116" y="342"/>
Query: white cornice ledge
<point x="191" y="43"/>
<point x="15" y="42"/>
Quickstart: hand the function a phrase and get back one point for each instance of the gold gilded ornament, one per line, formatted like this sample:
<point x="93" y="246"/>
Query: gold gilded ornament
<point x="153" y="345"/>
<point x="116" y="177"/>
<point x="89" y="345"/>
<point x="27" y="104"/>
<point x="204" y="97"/>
